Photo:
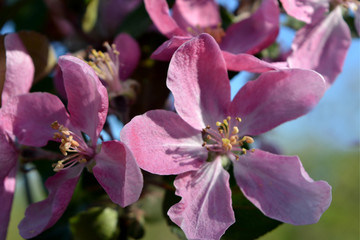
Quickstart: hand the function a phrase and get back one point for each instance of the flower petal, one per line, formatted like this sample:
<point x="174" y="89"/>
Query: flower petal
<point x="254" y="33"/>
<point x="159" y="13"/>
<point x="8" y="162"/>
<point x="198" y="79"/>
<point x="304" y="10"/>
<point x="246" y="62"/>
<point x="311" y="45"/>
<point x="163" y="143"/>
<point x="196" y="14"/>
<point x="280" y="187"/>
<point x="129" y="55"/>
<point x="276" y="97"/>
<point x="87" y="97"/>
<point x="167" y="49"/>
<point x="205" y="210"/>
<point x="32" y="115"/>
<point x="42" y="215"/>
<point x="19" y="68"/>
<point x="117" y="172"/>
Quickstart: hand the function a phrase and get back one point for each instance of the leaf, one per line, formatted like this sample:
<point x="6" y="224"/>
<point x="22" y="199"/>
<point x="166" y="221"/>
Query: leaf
<point x="41" y="52"/>
<point x="136" y="22"/>
<point x="90" y="16"/>
<point x="95" y="223"/>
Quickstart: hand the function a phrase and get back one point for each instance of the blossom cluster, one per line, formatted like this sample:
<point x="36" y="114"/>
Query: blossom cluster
<point x="204" y="137"/>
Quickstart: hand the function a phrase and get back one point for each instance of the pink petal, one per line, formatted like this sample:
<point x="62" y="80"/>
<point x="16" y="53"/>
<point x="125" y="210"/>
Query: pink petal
<point x="167" y="49"/>
<point x="8" y="162"/>
<point x="32" y="115"/>
<point x="254" y="33"/>
<point x="42" y="215"/>
<point x="304" y="10"/>
<point x="276" y="97"/>
<point x="163" y="143"/>
<point x="198" y="79"/>
<point x="246" y="62"/>
<point x="118" y="173"/>
<point x="129" y="56"/>
<point x="280" y="187"/>
<point x="158" y="11"/>
<point x="19" y="68"/>
<point x="87" y="97"/>
<point x="196" y="14"/>
<point x="312" y="43"/>
<point x="205" y="210"/>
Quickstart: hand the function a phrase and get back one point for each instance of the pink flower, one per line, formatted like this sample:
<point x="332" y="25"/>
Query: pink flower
<point x="19" y="74"/>
<point x="209" y="132"/>
<point x="40" y="117"/>
<point x="323" y="43"/>
<point x="190" y="18"/>
<point x="117" y="64"/>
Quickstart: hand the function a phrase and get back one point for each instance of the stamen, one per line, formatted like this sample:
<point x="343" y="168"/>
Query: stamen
<point x="224" y="141"/>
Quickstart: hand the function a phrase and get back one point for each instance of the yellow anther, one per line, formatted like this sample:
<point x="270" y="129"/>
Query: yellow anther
<point x="55" y="125"/>
<point x="225" y="122"/>
<point x="83" y="160"/>
<point x="252" y="150"/>
<point x="93" y="51"/>
<point x="243" y="150"/>
<point x="218" y="124"/>
<point x="235" y="130"/>
<point x="238" y="119"/>
<point x="233" y="139"/>
<point x="228" y="118"/>
<point x="249" y="139"/>
<point x="58" y="166"/>
<point x="226" y="144"/>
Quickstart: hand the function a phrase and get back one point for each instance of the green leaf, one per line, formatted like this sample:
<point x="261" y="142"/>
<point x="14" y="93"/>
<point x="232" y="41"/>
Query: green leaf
<point x="95" y="223"/>
<point x="90" y="16"/>
<point x="136" y="23"/>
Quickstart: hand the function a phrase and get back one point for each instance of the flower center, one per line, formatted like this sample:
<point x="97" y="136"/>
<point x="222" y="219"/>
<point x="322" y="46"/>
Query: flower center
<point x="69" y="143"/>
<point x="106" y="66"/>
<point x="225" y="140"/>
<point x="216" y="32"/>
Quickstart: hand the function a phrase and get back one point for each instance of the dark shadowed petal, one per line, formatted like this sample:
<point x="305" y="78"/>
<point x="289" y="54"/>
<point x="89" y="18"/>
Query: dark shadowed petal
<point x="276" y="97"/>
<point x="159" y="13"/>
<point x="280" y="187"/>
<point x="254" y="33"/>
<point x="312" y="43"/>
<point x="246" y="62"/>
<point x="19" y="68"/>
<point x="129" y="56"/>
<point x="205" y="210"/>
<point x="87" y="97"/>
<point x="167" y="49"/>
<point x="42" y="215"/>
<point x="8" y="163"/>
<point x="195" y="14"/>
<point x="118" y="173"/>
<point x="198" y="79"/>
<point x="163" y="143"/>
<point x="32" y="115"/>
